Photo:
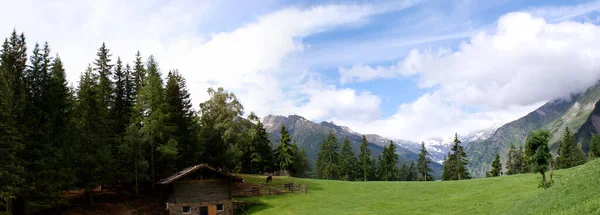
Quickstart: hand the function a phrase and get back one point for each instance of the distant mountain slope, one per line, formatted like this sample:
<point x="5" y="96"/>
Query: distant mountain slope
<point x="310" y="135"/>
<point x="589" y="128"/>
<point x="554" y="116"/>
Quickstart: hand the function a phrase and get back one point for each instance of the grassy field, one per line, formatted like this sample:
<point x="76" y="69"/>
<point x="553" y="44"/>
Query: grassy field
<point x="575" y="191"/>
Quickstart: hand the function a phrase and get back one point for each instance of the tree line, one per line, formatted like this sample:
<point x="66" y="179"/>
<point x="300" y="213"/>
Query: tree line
<point x="123" y="124"/>
<point x="335" y="163"/>
<point x="536" y="156"/>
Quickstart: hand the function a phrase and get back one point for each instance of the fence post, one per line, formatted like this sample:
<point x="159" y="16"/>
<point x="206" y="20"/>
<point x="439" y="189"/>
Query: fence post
<point x="305" y="189"/>
<point x="292" y="187"/>
<point x="269" y="191"/>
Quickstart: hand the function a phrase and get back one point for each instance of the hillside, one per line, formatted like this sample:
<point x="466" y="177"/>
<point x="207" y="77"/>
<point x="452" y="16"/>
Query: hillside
<point x="554" y="116"/>
<point x="310" y="135"/>
<point x="575" y="191"/>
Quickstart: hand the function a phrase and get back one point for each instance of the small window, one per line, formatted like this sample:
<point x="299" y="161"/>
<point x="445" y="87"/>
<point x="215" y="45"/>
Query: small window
<point x="186" y="210"/>
<point x="220" y="207"/>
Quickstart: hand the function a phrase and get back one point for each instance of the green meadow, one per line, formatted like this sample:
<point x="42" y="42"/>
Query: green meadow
<point x="575" y="191"/>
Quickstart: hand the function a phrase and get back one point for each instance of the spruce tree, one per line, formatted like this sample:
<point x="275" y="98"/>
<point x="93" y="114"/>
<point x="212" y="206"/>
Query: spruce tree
<point x="387" y="169"/>
<point x="412" y="174"/>
<point x="182" y="118"/>
<point x="93" y="154"/>
<point x="284" y="153"/>
<point x="423" y="165"/>
<point x="139" y="72"/>
<point x="122" y="107"/>
<point x="365" y="162"/>
<point x="264" y="150"/>
<point x="301" y="162"/>
<point x="595" y="146"/>
<point x="328" y="158"/>
<point x="13" y="102"/>
<point x="348" y="162"/>
<point x="455" y="166"/>
<point x="496" y="167"/>
<point x="569" y="153"/>
<point x="510" y="165"/>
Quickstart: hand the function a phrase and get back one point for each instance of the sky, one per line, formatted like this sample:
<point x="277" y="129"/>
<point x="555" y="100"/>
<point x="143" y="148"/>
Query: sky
<point x="405" y="69"/>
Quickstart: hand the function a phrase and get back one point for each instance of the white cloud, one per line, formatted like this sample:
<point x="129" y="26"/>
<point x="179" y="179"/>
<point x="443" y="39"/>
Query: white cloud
<point x="430" y="117"/>
<point x="255" y="61"/>
<point x="503" y="75"/>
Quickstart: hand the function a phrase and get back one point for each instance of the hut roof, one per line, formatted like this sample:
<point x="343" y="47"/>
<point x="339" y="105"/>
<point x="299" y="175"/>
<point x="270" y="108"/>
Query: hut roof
<point x="191" y="169"/>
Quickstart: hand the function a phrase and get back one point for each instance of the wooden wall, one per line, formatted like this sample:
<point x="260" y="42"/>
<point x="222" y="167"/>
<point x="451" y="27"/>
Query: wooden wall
<point x="200" y="191"/>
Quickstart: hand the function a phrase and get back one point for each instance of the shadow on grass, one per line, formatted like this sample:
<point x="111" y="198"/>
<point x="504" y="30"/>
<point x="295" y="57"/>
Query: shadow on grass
<point x="249" y="206"/>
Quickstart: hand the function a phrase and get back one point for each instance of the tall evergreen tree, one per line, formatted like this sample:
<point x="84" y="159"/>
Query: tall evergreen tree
<point x="284" y="153"/>
<point x="94" y="155"/>
<point x="569" y="153"/>
<point x="264" y="150"/>
<point x="181" y="117"/>
<point x="510" y="169"/>
<point x="496" y="167"/>
<point x="595" y="146"/>
<point x="412" y="173"/>
<point x="423" y="165"/>
<point x="455" y="166"/>
<point x="13" y="95"/>
<point x="122" y="107"/>
<point x="139" y="72"/>
<point x="301" y="162"/>
<point x="104" y="70"/>
<point x="387" y="169"/>
<point x="135" y="166"/>
<point x="365" y="162"/>
<point x="348" y="162"/>
<point x="538" y="153"/>
<point x="328" y="158"/>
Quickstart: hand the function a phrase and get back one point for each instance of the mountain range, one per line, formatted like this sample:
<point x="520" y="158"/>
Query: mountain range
<point x="309" y="136"/>
<point x="580" y="112"/>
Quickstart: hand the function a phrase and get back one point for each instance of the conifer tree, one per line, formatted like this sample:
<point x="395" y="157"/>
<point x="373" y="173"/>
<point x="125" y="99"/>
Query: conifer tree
<point x="510" y="169"/>
<point x="328" y="158"/>
<point x="423" y="165"/>
<point x="122" y="108"/>
<point x="456" y="162"/>
<point x="412" y="174"/>
<point x="301" y="162"/>
<point x="94" y="155"/>
<point x="284" y="153"/>
<point x="13" y="102"/>
<point x="403" y="172"/>
<point x="569" y="153"/>
<point x="181" y="117"/>
<point x="388" y="171"/>
<point x="348" y="162"/>
<point x="139" y="72"/>
<point x="496" y="167"/>
<point x="264" y="149"/>
<point x="365" y="162"/>
<point x="595" y="146"/>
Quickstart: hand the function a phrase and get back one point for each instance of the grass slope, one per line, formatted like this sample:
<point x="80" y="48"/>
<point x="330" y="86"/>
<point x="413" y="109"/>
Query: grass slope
<point x="576" y="191"/>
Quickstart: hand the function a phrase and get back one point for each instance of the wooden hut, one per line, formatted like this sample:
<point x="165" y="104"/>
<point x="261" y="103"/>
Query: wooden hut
<point x="200" y="189"/>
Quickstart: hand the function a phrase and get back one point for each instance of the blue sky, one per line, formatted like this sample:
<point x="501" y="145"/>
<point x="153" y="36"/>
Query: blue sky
<point x="412" y="69"/>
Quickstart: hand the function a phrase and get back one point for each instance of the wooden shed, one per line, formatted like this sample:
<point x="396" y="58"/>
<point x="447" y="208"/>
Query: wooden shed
<point x="200" y="189"/>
